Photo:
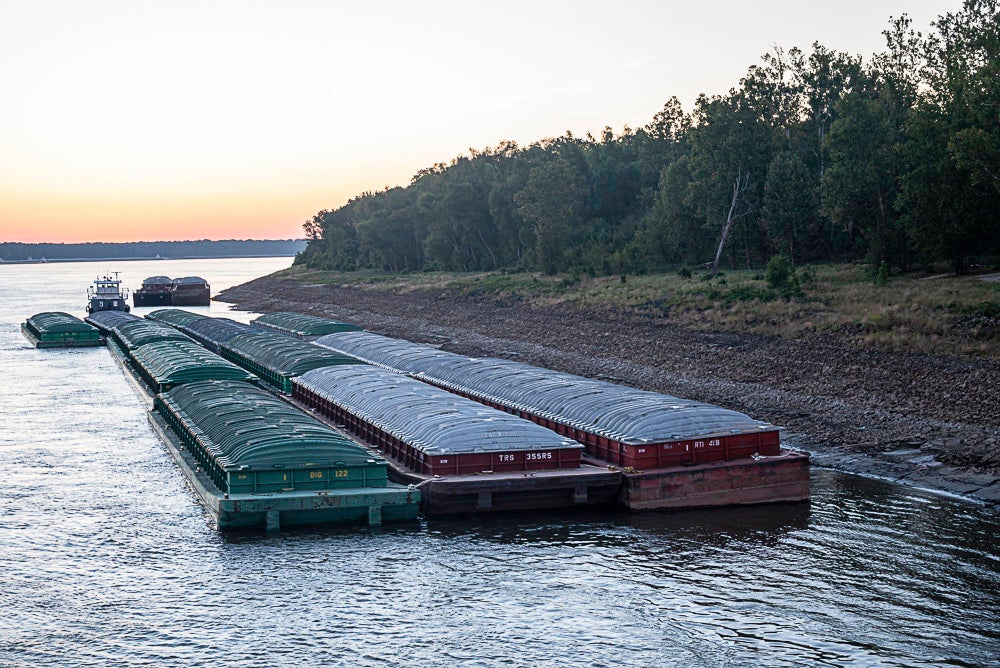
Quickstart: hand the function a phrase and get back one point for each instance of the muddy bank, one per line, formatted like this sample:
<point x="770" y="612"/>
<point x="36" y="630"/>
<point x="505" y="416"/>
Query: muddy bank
<point x="928" y="420"/>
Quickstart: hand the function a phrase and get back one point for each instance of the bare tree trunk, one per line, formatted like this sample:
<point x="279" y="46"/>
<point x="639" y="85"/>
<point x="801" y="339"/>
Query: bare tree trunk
<point x="489" y="250"/>
<point x="739" y="185"/>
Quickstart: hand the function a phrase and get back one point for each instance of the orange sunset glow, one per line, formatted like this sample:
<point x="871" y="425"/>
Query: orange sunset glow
<point x="188" y="120"/>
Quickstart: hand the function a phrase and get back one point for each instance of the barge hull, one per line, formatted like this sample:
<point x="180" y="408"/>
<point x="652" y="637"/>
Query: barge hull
<point x="780" y="479"/>
<point x="65" y="343"/>
<point x="273" y="511"/>
<point x="586" y="487"/>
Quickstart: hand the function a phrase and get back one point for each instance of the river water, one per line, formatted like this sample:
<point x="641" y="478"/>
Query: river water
<point x="107" y="559"/>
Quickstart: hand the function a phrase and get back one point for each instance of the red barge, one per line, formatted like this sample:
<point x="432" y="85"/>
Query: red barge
<point x="669" y="452"/>
<point x="465" y="457"/>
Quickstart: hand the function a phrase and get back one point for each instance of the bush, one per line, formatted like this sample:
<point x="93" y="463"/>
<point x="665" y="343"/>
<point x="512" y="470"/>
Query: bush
<point x="806" y="275"/>
<point x="778" y="272"/>
<point x="882" y="274"/>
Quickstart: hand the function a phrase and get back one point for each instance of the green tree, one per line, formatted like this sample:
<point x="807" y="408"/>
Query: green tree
<point x="789" y="203"/>
<point x="950" y="192"/>
<point x="730" y="151"/>
<point x="553" y="200"/>
<point x="861" y="186"/>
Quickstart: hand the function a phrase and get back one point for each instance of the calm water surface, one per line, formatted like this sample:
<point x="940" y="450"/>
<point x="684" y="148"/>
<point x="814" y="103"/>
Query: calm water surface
<point x="106" y="558"/>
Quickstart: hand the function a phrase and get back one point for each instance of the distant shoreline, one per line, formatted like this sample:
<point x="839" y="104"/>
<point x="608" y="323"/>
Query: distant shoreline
<point x="141" y="259"/>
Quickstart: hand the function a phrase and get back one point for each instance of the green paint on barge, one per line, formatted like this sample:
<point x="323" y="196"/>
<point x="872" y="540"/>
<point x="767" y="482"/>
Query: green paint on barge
<point x="256" y="461"/>
<point x="55" y="329"/>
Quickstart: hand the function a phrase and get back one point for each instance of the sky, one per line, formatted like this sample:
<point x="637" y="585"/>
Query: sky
<point x="131" y="120"/>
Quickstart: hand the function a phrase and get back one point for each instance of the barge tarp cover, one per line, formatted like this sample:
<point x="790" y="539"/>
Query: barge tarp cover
<point x="394" y="354"/>
<point x="299" y="324"/>
<point x="56" y="325"/>
<point x="430" y="419"/>
<point x="278" y="358"/>
<point x="237" y="430"/>
<point x="214" y="332"/>
<point x="106" y="321"/>
<point x="171" y="363"/>
<point x="175" y="317"/>
<point x="139" y="332"/>
<point x="619" y="413"/>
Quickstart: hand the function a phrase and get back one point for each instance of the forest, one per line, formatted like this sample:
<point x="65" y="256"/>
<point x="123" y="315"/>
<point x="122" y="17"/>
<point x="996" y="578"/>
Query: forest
<point x="816" y="155"/>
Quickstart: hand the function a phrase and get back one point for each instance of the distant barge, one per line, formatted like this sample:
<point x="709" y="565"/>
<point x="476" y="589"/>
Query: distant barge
<point x="166" y="291"/>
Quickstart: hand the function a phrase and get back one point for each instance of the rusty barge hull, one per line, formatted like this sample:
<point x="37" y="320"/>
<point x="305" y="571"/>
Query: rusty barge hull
<point x="598" y="484"/>
<point x="780" y="479"/>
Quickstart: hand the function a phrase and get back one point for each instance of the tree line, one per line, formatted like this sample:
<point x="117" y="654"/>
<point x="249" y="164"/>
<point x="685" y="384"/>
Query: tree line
<point x="815" y="155"/>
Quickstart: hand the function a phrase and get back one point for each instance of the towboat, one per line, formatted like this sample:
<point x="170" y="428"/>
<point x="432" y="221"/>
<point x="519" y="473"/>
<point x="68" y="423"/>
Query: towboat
<point x="106" y="295"/>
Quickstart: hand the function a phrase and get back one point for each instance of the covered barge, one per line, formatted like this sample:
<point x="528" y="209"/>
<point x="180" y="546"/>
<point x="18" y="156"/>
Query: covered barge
<point x="209" y="332"/>
<point x="673" y="452"/>
<point x="155" y="291"/>
<point x="301" y="326"/>
<point x="55" y="329"/>
<point x="277" y="359"/>
<point x="256" y="461"/>
<point x="166" y="291"/>
<point x="105" y="321"/>
<point x="464" y="456"/>
<point x="275" y="475"/>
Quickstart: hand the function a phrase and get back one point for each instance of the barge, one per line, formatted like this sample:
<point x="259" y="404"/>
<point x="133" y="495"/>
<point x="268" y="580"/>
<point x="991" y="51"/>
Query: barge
<point x="637" y="449"/>
<point x="166" y="291"/>
<point x="672" y="452"/>
<point x="465" y="457"/>
<point x="278" y="359"/>
<point x="190" y="291"/>
<point x="257" y="462"/>
<point x="253" y="460"/>
<point x="55" y="329"/>
<point x="300" y="326"/>
<point x="209" y="332"/>
<point x="155" y="291"/>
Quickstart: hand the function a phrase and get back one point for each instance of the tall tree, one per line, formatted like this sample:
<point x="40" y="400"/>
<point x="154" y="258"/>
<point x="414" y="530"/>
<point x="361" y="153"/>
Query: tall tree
<point x="789" y="204"/>
<point x="730" y="151"/>
<point x="862" y="184"/>
<point x="553" y="199"/>
<point x="950" y="191"/>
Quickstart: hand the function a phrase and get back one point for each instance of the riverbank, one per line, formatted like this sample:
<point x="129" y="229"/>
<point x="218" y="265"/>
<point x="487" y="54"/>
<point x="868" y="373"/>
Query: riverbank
<point x="920" y="418"/>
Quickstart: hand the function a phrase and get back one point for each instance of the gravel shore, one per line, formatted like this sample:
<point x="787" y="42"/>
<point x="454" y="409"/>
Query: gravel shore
<point x="931" y="421"/>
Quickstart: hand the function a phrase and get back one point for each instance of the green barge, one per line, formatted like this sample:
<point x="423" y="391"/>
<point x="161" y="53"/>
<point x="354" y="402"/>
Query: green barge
<point x="255" y="461"/>
<point x="55" y="329"/>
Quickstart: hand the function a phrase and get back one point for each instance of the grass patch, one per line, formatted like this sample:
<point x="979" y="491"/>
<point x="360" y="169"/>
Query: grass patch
<point x="958" y="315"/>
